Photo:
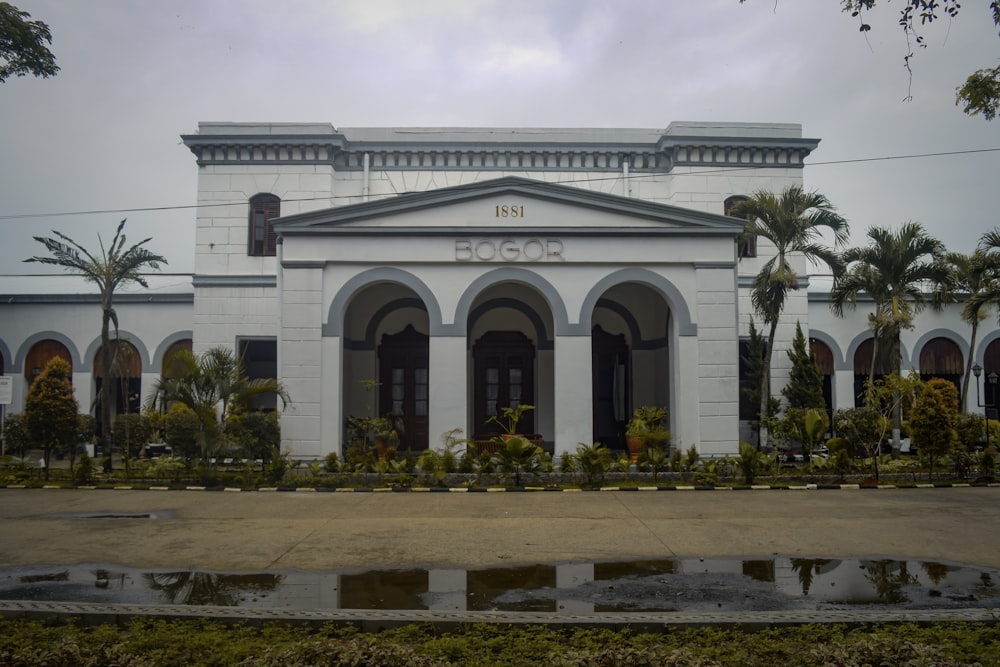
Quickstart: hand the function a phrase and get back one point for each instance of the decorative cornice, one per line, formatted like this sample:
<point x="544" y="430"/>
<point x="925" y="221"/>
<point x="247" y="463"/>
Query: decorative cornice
<point x="500" y="149"/>
<point x="179" y="297"/>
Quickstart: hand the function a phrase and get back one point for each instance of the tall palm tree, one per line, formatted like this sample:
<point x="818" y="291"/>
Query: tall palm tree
<point x="115" y="267"/>
<point x="794" y="222"/>
<point x="978" y="277"/>
<point x="903" y="271"/>
<point x="214" y="385"/>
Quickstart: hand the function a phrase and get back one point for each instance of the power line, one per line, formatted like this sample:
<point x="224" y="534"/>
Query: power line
<point x="593" y="179"/>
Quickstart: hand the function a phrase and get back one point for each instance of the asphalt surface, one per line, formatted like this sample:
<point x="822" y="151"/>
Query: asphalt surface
<point x="256" y="531"/>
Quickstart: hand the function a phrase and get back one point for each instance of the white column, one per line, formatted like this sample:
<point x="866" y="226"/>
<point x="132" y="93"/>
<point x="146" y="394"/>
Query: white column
<point x="449" y="390"/>
<point x="843" y="388"/>
<point x="331" y="400"/>
<point x="685" y="408"/>
<point x="574" y="414"/>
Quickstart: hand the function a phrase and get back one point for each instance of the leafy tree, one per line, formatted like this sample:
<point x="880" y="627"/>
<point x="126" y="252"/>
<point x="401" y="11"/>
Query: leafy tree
<point x="932" y="423"/>
<point x="130" y="433"/>
<point x="182" y="431"/>
<point x="117" y="266"/>
<point x="863" y="427"/>
<point x="50" y="411"/>
<point x="903" y="272"/>
<point x="794" y="223"/>
<point x="15" y="435"/>
<point x="23" y="47"/>
<point x="977" y="276"/>
<point x="981" y="91"/>
<point x="805" y="383"/>
<point x="214" y="385"/>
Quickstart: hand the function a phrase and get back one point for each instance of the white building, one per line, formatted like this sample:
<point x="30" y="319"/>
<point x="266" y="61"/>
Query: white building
<point x="584" y="271"/>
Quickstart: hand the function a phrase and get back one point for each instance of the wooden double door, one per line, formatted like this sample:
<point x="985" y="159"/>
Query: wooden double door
<point x="504" y="376"/>
<point x="404" y="385"/>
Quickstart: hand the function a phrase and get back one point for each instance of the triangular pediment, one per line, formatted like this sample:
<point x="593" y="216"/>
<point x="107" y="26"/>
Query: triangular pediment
<point x="505" y="205"/>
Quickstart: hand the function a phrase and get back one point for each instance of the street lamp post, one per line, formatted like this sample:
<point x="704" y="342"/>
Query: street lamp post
<point x="991" y="379"/>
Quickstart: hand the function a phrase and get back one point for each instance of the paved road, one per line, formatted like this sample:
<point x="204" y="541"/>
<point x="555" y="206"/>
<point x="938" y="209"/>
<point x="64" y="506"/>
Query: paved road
<point x="320" y="531"/>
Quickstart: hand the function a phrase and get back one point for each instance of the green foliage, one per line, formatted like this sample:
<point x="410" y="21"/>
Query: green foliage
<point x="189" y="642"/>
<point x="116" y="266"/>
<point x="655" y="459"/>
<point x="23" y="47"/>
<point x="256" y="433"/>
<point x="50" y="411"/>
<point x="980" y="94"/>
<point x="840" y="455"/>
<point x="509" y="417"/>
<point x="516" y="456"/>
<point x="130" y="433"/>
<point x="932" y="421"/>
<point x="970" y="429"/>
<point x="435" y="465"/>
<point x="751" y="462"/>
<point x="211" y="385"/>
<point x="988" y="462"/>
<point x="84" y="471"/>
<point x="182" y="431"/>
<point x="278" y="465"/>
<point x="805" y="382"/>
<point x="593" y="461"/>
<point x="15" y="435"/>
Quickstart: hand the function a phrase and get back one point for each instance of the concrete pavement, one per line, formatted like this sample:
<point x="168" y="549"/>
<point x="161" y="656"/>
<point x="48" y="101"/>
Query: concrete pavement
<point x="256" y="531"/>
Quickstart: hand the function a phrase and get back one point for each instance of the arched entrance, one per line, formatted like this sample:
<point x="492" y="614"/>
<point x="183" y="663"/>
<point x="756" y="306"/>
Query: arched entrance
<point x="385" y="361"/>
<point x="863" y="368"/>
<point x="631" y="358"/>
<point x="824" y="359"/>
<point x="126" y="379"/>
<point x="510" y="330"/>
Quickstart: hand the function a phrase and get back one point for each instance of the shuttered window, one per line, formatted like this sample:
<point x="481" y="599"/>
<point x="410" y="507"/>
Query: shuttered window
<point x="262" y="239"/>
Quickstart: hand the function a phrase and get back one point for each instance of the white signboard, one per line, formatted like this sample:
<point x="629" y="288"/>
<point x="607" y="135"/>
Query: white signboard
<point x="6" y="389"/>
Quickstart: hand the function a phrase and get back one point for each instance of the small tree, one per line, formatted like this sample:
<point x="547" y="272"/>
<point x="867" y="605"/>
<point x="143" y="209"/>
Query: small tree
<point x="130" y="432"/>
<point x="256" y="433"/>
<point x="15" y="435"/>
<point x="182" y="431"/>
<point x="932" y="420"/>
<point x="805" y="383"/>
<point x="50" y="411"/>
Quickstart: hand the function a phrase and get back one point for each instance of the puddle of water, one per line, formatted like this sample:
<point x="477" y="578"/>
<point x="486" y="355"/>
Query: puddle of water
<point x="682" y="584"/>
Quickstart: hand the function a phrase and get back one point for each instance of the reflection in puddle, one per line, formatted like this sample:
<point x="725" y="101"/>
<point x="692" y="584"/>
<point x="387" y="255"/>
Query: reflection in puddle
<point x="679" y="584"/>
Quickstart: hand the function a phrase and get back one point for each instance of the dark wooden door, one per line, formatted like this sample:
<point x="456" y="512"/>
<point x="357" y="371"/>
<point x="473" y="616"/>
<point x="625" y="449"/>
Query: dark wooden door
<point x="504" y="363"/>
<point x="403" y="392"/>
<point x="610" y="387"/>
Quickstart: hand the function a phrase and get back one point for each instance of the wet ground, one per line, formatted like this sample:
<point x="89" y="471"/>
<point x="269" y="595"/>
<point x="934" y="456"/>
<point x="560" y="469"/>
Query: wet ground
<point x="671" y="585"/>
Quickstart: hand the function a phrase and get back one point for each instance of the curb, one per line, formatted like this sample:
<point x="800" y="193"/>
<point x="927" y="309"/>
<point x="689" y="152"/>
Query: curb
<point x="510" y="489"/>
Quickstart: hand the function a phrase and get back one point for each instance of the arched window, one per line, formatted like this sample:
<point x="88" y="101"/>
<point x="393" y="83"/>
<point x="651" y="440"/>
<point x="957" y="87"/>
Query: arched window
<point x="824" y="359"/>
<point x="261" y="239"/>
<point x="747" y="248"/>
<point x="40" y="354"/>
<point x="942" y="358"/>
<point x="863" y="367"/>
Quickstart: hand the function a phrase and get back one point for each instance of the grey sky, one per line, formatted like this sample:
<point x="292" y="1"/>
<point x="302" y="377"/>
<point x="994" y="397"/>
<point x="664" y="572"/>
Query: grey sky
<point x="104" y="133"/>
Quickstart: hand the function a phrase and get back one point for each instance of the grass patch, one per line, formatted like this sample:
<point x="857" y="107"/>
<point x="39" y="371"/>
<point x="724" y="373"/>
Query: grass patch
<point x="187" y="642"/>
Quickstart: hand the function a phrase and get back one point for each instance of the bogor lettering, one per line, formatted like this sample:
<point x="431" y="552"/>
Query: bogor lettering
<point x="508" y="250"/>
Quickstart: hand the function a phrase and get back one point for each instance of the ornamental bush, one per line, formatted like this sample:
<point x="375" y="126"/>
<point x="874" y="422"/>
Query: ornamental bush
<point x="932" y="421"/>
<point x="50" y="411"/>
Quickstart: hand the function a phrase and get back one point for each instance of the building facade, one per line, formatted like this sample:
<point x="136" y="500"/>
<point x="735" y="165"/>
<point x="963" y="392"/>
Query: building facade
<point x="441" y="274"/>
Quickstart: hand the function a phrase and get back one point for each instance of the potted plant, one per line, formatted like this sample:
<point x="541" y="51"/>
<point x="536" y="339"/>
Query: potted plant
<point x="646" y="429"/>
<point x="509" y="418"/>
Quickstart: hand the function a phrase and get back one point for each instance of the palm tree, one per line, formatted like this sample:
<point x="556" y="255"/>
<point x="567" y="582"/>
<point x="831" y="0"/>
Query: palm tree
<point x="903" y="271"/>
<point x="214" y="385"/>
<point x="794" y="222"/>
<point x="115" y="267"/>
<point x="978" y="276"/>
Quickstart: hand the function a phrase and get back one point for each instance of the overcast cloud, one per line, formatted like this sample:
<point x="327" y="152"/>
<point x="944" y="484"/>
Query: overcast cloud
<point x="104" y="133"/>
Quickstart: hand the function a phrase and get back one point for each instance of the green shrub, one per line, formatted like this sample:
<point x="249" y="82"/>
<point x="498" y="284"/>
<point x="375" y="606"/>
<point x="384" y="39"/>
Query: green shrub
<point x="50" y="411"/>
<point x="932" y="421"/>
<point x="131" y="432"/>
<point x="182" y="431"/>
<point x="256" y="433"/>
